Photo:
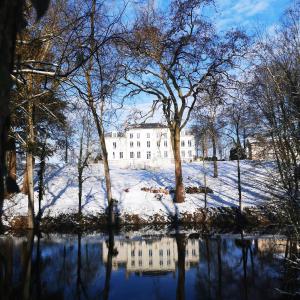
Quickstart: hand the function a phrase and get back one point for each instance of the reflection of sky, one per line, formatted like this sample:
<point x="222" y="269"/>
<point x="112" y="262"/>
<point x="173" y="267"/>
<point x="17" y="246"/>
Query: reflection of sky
<point x="60" y="257"/>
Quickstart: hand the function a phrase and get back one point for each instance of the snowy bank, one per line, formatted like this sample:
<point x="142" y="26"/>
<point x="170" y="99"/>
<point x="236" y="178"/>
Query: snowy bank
<point x="128" y="185"/>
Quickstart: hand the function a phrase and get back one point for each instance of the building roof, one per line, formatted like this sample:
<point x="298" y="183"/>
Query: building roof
<point x="146" y="126"/>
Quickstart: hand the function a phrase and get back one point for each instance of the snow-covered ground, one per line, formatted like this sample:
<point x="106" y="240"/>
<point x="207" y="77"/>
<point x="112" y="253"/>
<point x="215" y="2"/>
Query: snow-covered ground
<point x="61" y="195"/>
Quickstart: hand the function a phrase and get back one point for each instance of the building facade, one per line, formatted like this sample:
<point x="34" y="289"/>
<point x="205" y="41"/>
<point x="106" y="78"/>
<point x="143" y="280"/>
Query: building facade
<point x="147" y="145"/>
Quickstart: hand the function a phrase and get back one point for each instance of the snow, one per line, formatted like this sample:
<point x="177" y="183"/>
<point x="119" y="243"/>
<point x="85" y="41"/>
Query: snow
<point x="61" y="193"/>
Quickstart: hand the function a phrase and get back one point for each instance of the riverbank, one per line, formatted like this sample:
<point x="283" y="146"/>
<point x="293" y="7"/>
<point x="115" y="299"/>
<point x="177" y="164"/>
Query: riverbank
<point x="145" y="196"/>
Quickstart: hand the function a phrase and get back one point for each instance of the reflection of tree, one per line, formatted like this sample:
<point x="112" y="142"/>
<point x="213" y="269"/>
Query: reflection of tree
<point x="181" y="243"/>
<point x="291" y="270"/>
<point x="79" y="284"/>
<point x="219" y="251"/>
<point x="27" y="259"/>
<point x="110" y="254"/>
<point x="6" y="268"/>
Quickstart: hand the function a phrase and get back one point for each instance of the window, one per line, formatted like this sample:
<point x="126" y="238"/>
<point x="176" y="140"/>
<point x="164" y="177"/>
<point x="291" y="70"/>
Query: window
<point x="138" y="135"/>
<point x="168" y="262"/>
<point x="138" y="144"/>
<point x="131" y="144"/>
<point x="183" y="153"/>
<point x="114" y="145"/>
<point x="140" y="263"/>
<point x="148" y="135"/>
<point x="150" y="262"/>
<point x="148" y="155"/>
<point x="189" y="143"/>
<point x="140" y="253"/>
<point x="114" y="156"/>
<point x="131" y="155"/>
<point x="132" y="253"/>
<point x="168" y="252"/>
<point x="148" y="144"/>
<point x="150" y="252"/>
<point x="166" y="143"/>
<point x="166" y="154"/>
<point x="114" y="134"/>
<point x="161" y="252"/>
<point x="121" y="154"/>
<point x="161" y="263"/>
<point x="138" y="154"/>
<point x="194" y="252"/>
<point x="131" y="135"/>
<point x="132" y="263"/>
<point x="190" y="153"/>
<point x="187" y="252"/>
<point x="158" y="143"/>
<point x="182" y="143"/>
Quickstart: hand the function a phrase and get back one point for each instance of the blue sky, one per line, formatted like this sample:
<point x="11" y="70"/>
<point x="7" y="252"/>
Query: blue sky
<point x="249" y="14"/>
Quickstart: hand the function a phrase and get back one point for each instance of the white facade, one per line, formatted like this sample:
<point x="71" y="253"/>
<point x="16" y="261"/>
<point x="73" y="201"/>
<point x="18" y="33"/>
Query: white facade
<point x="147" y="145"/>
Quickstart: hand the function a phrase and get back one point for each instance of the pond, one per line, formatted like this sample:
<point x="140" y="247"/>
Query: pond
<point x="139" y="265"/>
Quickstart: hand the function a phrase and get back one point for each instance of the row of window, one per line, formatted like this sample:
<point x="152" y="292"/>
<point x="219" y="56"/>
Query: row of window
<point x="161" y="252"/>
<point x="161" y="263"/>
<point x="148" y="135"/>
<point x="138" y="144"/>
<point x="148" y="154"/>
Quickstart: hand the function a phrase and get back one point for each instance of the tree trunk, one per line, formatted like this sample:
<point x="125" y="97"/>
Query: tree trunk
<point x="179" y="189"/>
<point x="30" y="166"/>
<point x="66" y="148"/>
<point x="214" y="146"/>
<point x="204" y="154"/>
<point x="41" y="178"/>
<point x="10" y="16"/>
<point x="111" y="216"/>
<point x="25" y="188"/>
<point x="239" y="180"/>
<point x="11" y="162"/>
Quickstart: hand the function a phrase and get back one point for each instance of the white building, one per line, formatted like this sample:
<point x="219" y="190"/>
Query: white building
<point x="147" y="145"/>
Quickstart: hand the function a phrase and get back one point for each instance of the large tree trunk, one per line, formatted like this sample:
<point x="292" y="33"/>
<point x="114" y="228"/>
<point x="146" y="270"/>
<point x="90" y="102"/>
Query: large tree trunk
<point x="30" y="166"/>
<point x="10" y="16"/>
<point x="215" y="160"/>
<point x="107" y="177"/>
<point x="179" y="189"/>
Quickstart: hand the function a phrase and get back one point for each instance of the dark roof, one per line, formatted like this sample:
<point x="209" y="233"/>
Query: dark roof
<point x="146" y="126"/>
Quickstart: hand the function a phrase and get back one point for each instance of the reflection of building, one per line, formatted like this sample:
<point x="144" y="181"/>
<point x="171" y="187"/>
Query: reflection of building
<point x="147" y="145"/>
<point x="276" y="246"/>
<point x="151" y="255"/>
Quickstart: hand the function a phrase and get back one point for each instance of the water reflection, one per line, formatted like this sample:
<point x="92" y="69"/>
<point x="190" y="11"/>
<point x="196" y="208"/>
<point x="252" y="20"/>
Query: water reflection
<point x="147" y="267"/>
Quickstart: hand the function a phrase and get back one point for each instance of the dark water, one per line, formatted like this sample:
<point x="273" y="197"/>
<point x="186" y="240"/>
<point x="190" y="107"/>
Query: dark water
<point x="140" y="266"/>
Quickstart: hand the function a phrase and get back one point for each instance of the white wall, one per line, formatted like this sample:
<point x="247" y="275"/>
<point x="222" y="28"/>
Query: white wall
<point x="142" y="148"/>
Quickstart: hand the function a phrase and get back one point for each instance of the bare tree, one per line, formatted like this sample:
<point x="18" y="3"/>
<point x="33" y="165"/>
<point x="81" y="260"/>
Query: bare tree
<point x="275" y="92"/>
<point x="172" y="55"/>
<point x="99" y="77"/>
